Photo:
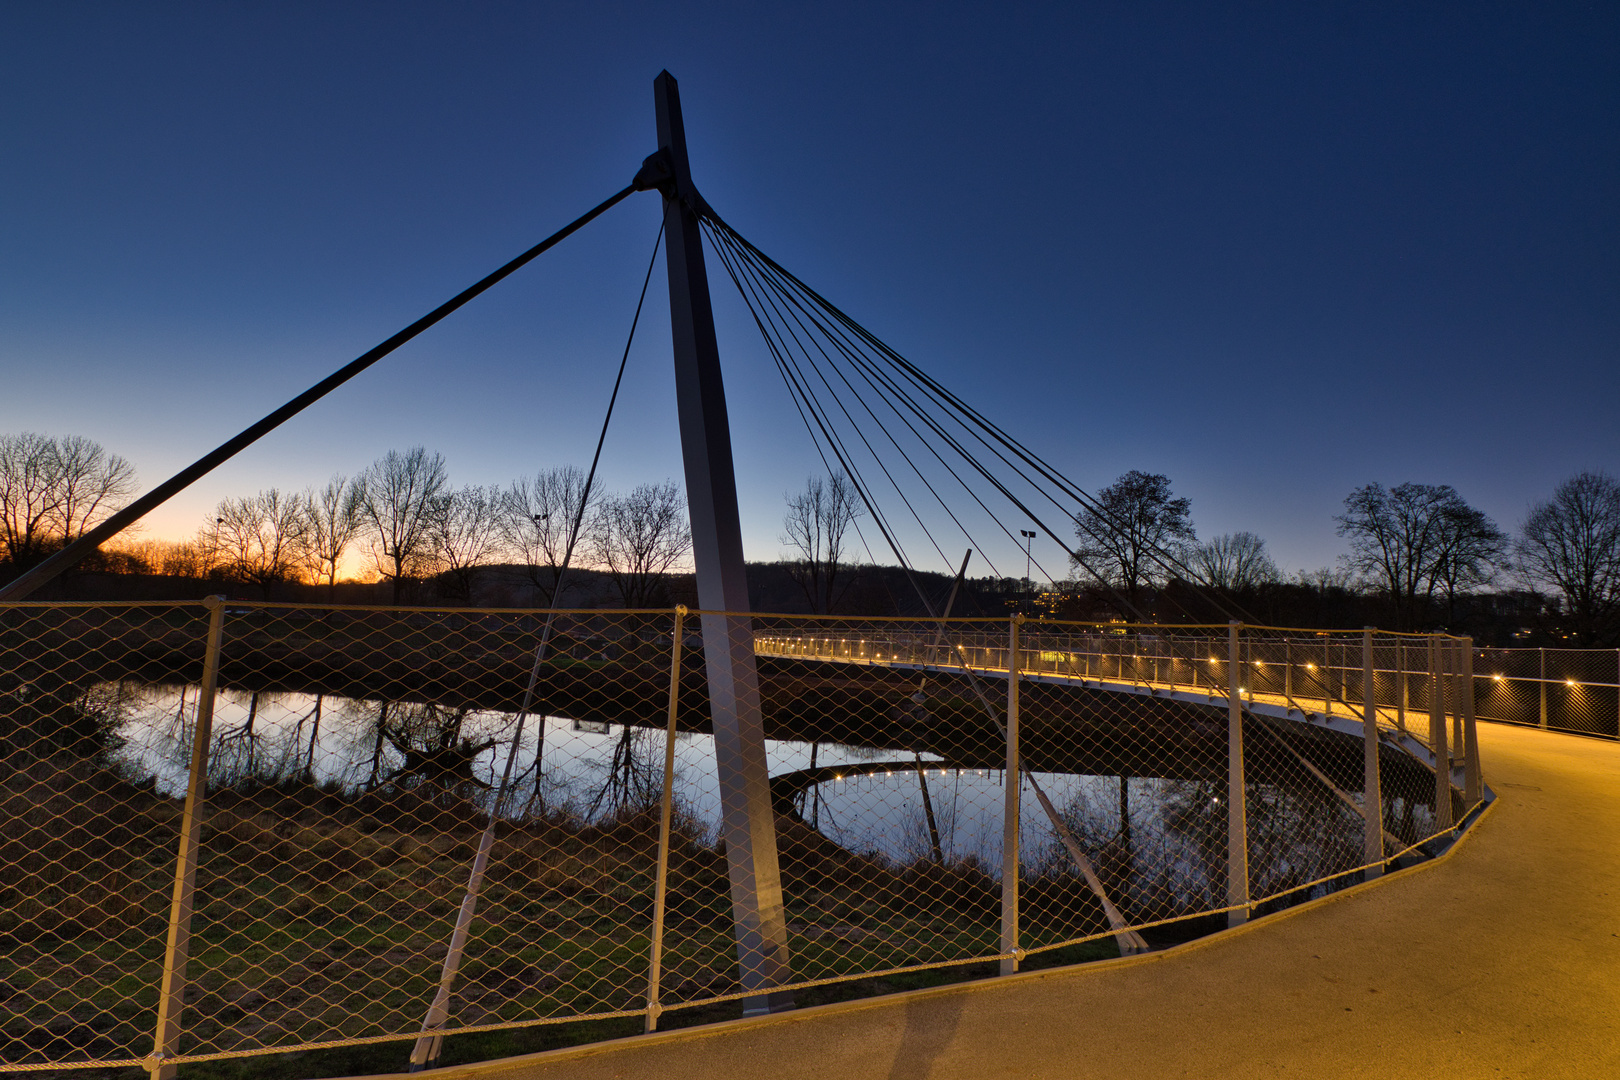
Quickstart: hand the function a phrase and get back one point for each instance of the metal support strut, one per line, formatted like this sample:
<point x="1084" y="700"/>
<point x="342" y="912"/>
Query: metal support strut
<point x="747" y="824"/>
<point x="172" y="995"/>
<point x="1237" y="815"/>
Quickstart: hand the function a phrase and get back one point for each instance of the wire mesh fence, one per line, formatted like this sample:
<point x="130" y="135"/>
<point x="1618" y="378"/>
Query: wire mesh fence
<point x="238" y="828"/>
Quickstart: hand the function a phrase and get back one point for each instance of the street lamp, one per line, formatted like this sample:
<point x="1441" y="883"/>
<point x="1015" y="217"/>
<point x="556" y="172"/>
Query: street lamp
<point x="1029" y="538"/>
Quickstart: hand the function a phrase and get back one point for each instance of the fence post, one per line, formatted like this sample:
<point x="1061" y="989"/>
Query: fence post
<point x="1542" y="686"/>
<point x="1372" y="792"/>
<point x="1454" y="664"/>
<point x="1327" y="674"/>
<point x="1288" y="673"/>
<point x="1437" y="738"/>
<point x="1473" y="782"/>
<point x="1237" y="810"/>
<point x="1400" y="685"/>
<point x="172" y="995"/>
<point x="1009" y="818"/>
<point x="655" y="958"/>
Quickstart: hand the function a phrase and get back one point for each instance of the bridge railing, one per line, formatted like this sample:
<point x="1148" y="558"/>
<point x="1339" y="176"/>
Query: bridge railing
<point x="236" y="828"/>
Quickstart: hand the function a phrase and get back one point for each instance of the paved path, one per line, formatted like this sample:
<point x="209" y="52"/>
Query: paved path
<point x="1501" y="960"/>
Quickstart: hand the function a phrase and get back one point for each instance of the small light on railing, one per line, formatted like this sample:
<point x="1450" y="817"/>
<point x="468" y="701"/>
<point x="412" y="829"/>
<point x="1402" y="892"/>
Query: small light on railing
<point x="1311" y="666"/>
<point x="1498" y="678"/>
<point x="1569" y="682"/>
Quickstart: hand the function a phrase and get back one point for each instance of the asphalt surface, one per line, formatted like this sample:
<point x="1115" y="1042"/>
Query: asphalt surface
<point x="1502" y="959"/>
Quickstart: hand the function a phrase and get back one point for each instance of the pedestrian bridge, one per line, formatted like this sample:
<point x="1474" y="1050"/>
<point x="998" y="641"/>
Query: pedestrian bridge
<point x="1501" y="958"/>
<point x="1329" y="681"/>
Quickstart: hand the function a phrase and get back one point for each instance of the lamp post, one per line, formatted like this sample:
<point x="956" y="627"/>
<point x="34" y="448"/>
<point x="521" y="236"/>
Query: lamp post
<point x="1029" y="539"/>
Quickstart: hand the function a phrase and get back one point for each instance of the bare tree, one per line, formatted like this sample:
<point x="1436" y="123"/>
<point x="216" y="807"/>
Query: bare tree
<point x="91" y="485"/>
<point x="1408" y="539"/>
<point x="463" y="531"/>
<point x="333" y="523"/>
<point x="27" y="497"/>
<point x="1571" y="544"/>
<point x="536" y="516"/>
<point x="639" y="538"/>
<point x="1136" y="523"/>
<point x="398" y="496"/>
<point x="186" y="559"/>
<point x="816" y="528"/>
<point x="1471" y="548"/>
<point x="52" y="490"/>
<point x="262" y="538"/>
<point x="1236" y="562"/>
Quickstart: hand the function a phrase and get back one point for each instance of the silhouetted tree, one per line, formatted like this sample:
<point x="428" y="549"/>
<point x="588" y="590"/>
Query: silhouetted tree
<point x="333" y="522"/>
<point x="52" y="490"/>
<point x="1409" y="539"/>
<point x="1236" y="562"/>
<point x="262" y="538"/>
<point x="816" y="528"/>
<point x="398" y="496"/>
<point x="537" y="515"/>
<point x="1471" y="549"/>
<point x="463" y="531"/>
<point x="1571" y="544"/>
<point x="639" y="538"/>
<point x="1124" y="539"/>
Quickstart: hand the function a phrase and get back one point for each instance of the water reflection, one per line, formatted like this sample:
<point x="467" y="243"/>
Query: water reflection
<point x="1159" y="844"/>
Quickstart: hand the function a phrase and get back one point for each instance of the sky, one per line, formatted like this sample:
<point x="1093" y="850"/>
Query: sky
<point x="1274" y="252"/>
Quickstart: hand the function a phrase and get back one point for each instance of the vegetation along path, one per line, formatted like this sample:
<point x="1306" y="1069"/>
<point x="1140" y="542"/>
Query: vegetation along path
<point x="1500" y="960"/>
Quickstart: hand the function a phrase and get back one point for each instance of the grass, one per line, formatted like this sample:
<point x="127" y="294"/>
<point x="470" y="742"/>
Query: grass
<point x="320" y="918"/>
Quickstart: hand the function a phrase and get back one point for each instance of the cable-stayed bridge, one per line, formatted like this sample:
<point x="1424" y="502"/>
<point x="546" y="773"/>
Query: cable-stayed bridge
<point x="253" y="827"/>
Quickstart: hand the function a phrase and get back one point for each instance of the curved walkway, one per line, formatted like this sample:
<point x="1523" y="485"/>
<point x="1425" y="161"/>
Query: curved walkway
<point x="1502" y="959"/>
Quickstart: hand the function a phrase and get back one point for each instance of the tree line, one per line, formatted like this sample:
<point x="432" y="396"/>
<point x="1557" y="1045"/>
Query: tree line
<point x="1416" y="552"/>
<point x="1420" y="556"/>
<point x="400" y="519"/>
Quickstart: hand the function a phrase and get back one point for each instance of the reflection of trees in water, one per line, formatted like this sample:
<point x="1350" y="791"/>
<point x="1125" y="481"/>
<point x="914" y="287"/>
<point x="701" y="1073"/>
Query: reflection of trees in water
<point x="632" y="774"/>
<point x="1160" y="846"/>
<point x="922" y="840"/>
<point x="42" y="712"/>
<point x="1099" y="815"/>
<point x="435" y="752"/>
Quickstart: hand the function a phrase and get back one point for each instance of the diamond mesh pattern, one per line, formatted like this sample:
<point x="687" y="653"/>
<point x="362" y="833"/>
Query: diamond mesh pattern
<point x="408" y="806"/>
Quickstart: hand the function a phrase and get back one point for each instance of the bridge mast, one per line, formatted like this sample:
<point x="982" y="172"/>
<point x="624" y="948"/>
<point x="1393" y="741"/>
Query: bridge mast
<point x="747" y="823"/>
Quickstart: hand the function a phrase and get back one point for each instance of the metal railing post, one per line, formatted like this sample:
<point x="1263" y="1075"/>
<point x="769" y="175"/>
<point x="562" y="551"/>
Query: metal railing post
<point x="1437" y="738"/>
<point x="1237" y="810"/>
<point x="1542" y="686"/>
<point x="172" y="995"/>
<point x="1288" y="672"/>
<point x="1454" y="666"/>
<point x="1009" y="820"/>
<point x="1400" y="685"/>
<point x="1473" y="782"/>
<point x="1327" y="675"/>
<point x="1372" y="792"/>
<point x="655" y="958"/>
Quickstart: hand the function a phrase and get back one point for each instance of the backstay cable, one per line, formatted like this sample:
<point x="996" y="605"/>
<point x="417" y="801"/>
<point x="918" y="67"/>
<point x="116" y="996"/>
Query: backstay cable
<point x="84" y="545"/>
<point x="431" y="1039"/>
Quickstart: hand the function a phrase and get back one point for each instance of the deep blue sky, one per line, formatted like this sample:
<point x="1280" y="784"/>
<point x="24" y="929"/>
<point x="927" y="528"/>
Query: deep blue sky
<point x="1273" y="251"/>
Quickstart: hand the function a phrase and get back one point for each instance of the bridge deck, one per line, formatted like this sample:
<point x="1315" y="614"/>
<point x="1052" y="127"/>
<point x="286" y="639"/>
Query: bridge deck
<point x="1500" y="960"/>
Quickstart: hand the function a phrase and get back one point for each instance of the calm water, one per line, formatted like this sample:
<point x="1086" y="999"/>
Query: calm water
<point x="878" y="807"/>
